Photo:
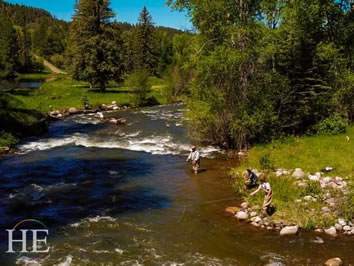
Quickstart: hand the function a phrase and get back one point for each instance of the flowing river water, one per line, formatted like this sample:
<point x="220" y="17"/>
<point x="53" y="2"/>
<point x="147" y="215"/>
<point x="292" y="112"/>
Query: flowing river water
<point x="124" y="195"/>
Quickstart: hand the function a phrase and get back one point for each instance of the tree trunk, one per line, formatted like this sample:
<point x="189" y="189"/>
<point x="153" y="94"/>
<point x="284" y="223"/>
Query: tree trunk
<point x="102" y="86"/>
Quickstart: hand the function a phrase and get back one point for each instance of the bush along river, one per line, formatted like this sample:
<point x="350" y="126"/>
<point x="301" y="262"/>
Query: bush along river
<point x="124" y="195"/>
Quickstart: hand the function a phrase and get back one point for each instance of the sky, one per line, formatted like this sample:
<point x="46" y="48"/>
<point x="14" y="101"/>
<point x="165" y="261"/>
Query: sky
<point x="126" y="11"/>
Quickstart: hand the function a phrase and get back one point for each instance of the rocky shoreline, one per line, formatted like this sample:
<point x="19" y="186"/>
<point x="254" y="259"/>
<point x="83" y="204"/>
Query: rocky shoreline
<point x="333" y="189"/>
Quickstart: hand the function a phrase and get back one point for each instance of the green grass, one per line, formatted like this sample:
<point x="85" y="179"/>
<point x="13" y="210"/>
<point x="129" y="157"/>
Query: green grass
<point x="310" y="154"/>
<point x="61" y="92"/>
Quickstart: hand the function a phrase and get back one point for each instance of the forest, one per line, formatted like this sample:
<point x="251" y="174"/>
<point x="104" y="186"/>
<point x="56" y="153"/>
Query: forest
<point x="250" y="72"/>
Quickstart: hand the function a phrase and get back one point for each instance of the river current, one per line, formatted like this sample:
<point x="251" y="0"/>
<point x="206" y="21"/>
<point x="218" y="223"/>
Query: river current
<point x="124" y="195"/>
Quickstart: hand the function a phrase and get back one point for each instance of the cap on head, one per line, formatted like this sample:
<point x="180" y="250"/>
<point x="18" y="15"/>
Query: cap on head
<point x="194" y="148"/>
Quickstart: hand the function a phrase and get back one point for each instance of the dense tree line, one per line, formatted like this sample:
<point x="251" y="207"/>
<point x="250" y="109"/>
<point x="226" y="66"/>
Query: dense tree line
<point x="264" y="69"/>
<point x="101" y="49"/>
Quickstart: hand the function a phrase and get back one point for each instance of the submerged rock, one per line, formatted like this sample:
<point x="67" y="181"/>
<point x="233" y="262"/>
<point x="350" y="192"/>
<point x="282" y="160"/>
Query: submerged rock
<point x="289" y="230"/>
<point x="334" y="262"/>
<point x="232" y="210"/>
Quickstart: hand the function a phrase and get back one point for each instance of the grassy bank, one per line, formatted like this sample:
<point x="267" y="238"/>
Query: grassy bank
<point x="61" y="92"/>
<point x="22" y="108"/>
<point x="311" y="154"/>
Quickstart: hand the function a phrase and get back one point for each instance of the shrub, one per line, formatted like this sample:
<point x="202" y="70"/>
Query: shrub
<point x="346" y="208"/>
<point x="330" y="126"/>
<point x="312" y="188"/>
<point x="266" y="162"/>
<point x="7" y="139"/>
<point x="139" y="82"/>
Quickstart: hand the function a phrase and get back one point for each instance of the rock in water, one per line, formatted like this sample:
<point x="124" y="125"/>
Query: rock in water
<point x="289" y="230"/>
<point x="298" y="173"/>
<point x="331" y="231"/>
<point x="242" y="215"/>
<point x="231" y="210"/>
<point x="334" y="262"/>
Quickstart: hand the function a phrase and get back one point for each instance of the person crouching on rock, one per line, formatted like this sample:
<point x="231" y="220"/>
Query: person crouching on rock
<point x="194" y="157"/>
<point x="265" y="186"/>
<point x="250" y="178"/>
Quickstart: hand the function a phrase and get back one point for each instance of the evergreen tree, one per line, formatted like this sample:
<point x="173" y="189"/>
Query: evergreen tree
<point x="145" y="51"/>
<point x="95" y="50"/>
<point x="8" y="47"/>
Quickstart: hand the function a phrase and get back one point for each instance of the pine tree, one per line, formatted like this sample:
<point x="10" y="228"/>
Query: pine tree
<point x="145" y="53"/>
<point x="95" y="50"/>
<point x="8" y="48"/>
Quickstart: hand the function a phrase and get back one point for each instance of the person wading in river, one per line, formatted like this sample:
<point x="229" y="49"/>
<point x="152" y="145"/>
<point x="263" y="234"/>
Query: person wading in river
<point x="265" y="186"/>
<point x="194" y="157"/>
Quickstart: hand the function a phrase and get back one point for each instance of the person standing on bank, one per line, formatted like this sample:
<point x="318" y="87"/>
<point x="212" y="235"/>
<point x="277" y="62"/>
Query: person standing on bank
<point x="265" y="186"/>
<point x="194" y="157"/>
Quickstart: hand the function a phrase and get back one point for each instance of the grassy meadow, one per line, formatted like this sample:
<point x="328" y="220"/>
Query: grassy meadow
<point x="311" y="154"/>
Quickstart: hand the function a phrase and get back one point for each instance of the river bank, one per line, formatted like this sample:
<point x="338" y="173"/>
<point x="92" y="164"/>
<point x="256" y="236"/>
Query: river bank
<point x="29" y="110"/>
<point x="306" y="195"/>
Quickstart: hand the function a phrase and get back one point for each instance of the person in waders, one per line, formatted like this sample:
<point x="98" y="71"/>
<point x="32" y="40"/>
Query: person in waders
<point x="265" y="186"/>
<point x="194" y="157"/>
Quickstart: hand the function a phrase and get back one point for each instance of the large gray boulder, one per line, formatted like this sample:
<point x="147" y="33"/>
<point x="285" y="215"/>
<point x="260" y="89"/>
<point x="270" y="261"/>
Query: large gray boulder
<point x="289" y="230"/>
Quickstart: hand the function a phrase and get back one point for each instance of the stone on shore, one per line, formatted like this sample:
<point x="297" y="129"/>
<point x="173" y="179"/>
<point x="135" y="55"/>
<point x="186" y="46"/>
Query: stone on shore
<point x="342" y="222"/>
<point x="331" y="231"/>
<point x="242" y="215"/>
<point x="253" y="214"/>
<point x="347" y="228"/>
<point x="298" y="173"/>
<point x="72" y="110"/>
<point x="334" y="262"/>
<point x="244" y="205"/>
<point x="338" y="227"/>
<point x="289" y="230"/>
<point x="232" y="210"/>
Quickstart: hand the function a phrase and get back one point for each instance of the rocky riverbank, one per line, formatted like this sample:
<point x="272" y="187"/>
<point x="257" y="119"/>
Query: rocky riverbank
<point x="319" y="196"/>
<point x="39" y="127"/>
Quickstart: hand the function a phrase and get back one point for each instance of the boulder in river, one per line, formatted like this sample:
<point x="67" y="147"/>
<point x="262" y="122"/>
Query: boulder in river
<point x="289" y="230"/>
<point x="334" y="262"/>
<point x="242" y="215"/>
<point x="298" y="173"/>
<point x="331" y="231"/>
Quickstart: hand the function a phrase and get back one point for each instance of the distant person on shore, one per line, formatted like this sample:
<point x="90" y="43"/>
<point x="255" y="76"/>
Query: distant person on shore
<point x="265" y="186"/>
<point x="194" y="157"/>
<point x="250" y="178"/>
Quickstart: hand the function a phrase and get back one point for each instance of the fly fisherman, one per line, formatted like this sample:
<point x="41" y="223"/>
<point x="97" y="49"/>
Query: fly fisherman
<point x="194" y="157"/>
<point x="265" y="186"/>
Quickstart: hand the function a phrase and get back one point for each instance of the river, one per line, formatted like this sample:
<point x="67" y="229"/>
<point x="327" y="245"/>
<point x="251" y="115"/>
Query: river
<point x="124" y="195"/>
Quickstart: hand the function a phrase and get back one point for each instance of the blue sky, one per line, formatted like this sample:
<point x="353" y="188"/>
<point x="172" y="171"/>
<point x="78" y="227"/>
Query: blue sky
<point x="126" y="10"/>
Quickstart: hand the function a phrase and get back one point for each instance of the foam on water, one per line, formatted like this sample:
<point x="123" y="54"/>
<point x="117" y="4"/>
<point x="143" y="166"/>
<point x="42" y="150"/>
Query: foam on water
<point x="160" y="145"/>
